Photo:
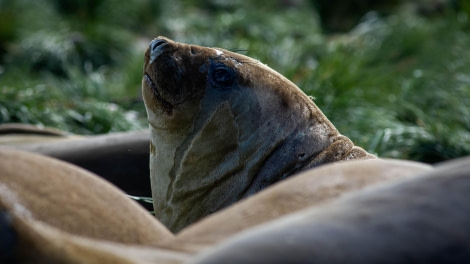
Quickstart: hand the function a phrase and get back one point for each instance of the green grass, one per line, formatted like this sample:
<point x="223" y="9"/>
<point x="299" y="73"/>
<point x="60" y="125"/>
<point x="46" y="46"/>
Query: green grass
<point x="399" y="85"/>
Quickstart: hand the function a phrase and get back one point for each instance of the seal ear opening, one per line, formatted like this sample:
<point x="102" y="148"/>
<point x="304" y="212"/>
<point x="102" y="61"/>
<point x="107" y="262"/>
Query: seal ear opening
<point x="222" y="76"/>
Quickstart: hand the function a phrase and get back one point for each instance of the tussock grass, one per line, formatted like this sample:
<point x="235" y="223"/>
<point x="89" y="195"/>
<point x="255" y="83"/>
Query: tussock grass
<point x="397" y="85"/>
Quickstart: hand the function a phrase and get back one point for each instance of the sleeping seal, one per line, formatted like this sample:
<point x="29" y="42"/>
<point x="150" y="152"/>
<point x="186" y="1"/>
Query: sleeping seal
<point x="308" y="189"/>
<point x="224" y="126"/>
<point x="421" y="219"/>
<point x="55" y="212"/>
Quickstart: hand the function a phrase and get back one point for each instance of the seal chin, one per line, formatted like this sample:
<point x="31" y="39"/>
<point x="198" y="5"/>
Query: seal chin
<point x="158" y="64"/>
<point x="166" y="69"/>
<point x="166" y="106"/>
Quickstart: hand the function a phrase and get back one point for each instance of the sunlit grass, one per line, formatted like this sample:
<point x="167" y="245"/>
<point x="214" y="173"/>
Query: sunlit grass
<point x="143" y="201"/>
<point x="399" y="86"/>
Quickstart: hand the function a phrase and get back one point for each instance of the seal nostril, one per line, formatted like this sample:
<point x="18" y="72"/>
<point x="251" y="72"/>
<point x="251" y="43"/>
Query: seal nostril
<point x="156" y="48"/>
<point x="156" y="43"/>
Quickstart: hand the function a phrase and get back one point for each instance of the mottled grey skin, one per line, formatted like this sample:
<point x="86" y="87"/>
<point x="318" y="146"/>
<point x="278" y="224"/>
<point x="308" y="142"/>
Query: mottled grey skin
<point x="224" y="126"/>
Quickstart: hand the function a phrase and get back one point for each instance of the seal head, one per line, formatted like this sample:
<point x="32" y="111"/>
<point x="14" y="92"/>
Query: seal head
<point x="223" y="127"/>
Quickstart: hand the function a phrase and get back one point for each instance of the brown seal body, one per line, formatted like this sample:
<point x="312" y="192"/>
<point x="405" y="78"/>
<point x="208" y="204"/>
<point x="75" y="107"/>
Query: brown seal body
<point x="121" y="158"/>
<point x="73" y="200"/>
<point x="54" y="212"/>
<point x="224" y="126"/>
<point x="16" y="134"/>
<point x="306" y="190"/>
<point x="423" y="219"/>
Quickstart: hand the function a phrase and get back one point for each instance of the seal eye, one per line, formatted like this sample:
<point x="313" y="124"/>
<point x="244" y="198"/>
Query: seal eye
<point x="222" y="77"/>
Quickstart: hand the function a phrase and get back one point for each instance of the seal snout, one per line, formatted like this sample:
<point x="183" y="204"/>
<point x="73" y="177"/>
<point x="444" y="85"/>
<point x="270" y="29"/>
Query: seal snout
<point x="157" y="46"/>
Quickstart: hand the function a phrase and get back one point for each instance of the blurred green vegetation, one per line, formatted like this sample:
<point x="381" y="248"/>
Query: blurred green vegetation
<point x="395" y="79"/>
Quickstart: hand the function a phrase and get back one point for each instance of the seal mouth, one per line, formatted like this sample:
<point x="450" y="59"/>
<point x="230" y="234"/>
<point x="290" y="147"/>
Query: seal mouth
<point x="160" y="69"/>
<point x="167" y="106"/>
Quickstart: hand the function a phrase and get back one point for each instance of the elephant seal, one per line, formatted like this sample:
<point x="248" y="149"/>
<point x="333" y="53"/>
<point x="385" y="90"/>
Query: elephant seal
<point x="15" y="134"/>
<point x="55" y="212"/>
<point x="423" y="219"/>
<point x="224" y="126"/>
<point x="36" y="188"/>
<point x="120" y="158"/>
<point x="42" y="243"/>
<point x="308" y="189"/>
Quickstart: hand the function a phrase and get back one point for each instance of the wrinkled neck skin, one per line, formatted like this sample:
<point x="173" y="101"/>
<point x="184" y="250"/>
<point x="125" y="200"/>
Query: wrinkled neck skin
<point x="235" y="149"/>
<point x="233" y="143"/>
